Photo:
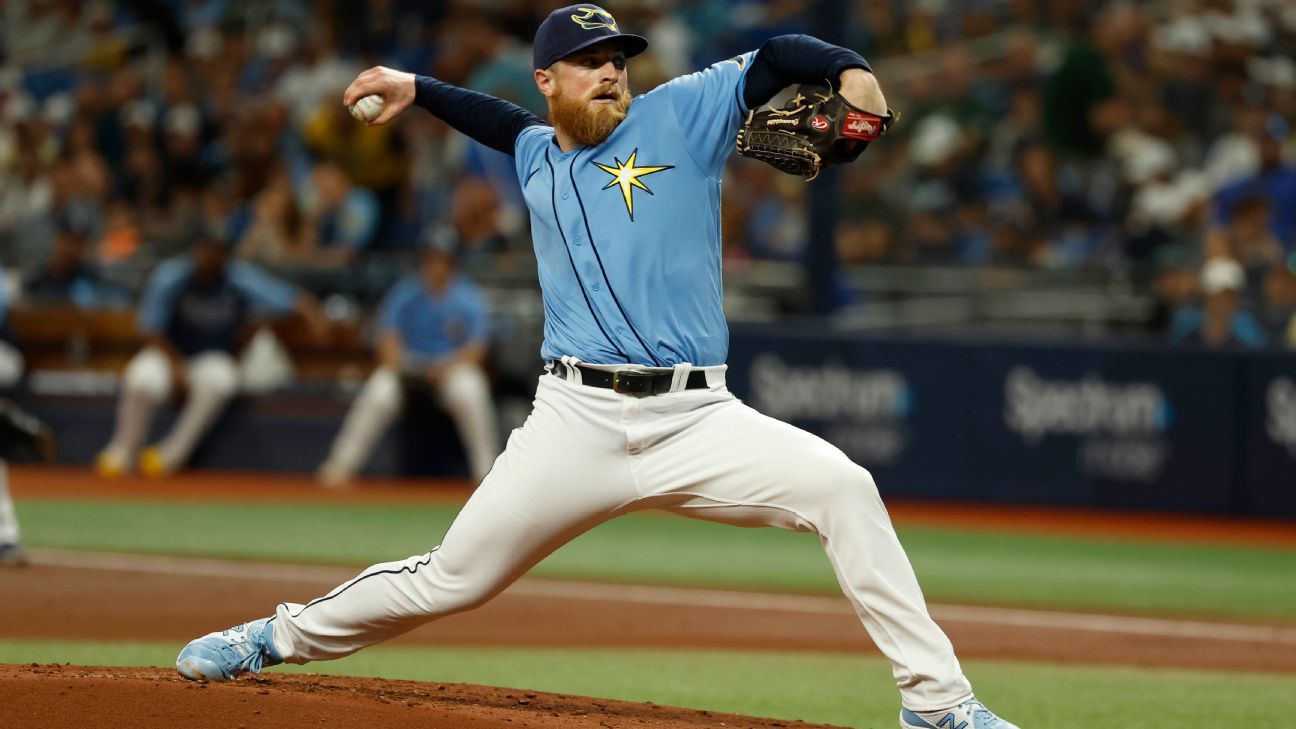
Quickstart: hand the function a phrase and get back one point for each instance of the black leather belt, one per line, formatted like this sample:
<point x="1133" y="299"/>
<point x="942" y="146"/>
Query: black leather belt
<point x="639" y="383"/>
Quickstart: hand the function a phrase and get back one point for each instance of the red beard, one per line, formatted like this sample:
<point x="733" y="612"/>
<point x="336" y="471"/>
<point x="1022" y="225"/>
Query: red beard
<point x="588" y="126"/>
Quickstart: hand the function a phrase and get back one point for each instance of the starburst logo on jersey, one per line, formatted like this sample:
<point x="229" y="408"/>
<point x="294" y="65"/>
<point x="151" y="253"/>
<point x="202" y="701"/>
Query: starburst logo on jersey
<point x="591" y="18"/>
<point x="627" y="177"/>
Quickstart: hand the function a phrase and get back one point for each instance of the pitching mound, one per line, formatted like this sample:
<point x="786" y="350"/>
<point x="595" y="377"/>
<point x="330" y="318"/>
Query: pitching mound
<point x="52" y="697"/>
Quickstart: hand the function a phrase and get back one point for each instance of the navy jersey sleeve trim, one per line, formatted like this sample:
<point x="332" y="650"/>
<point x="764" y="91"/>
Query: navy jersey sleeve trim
<point x="795" y="59"/>
<point x="494" y="122"/>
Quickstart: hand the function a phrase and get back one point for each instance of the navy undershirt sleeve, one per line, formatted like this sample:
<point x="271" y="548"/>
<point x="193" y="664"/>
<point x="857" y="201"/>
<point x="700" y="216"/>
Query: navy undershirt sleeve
<point x="491" y="121"/>
<point x="795" y="59"/>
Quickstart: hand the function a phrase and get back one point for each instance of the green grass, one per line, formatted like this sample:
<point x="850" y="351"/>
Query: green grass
<point x="836" y="689"/>
<point x="953" y="565"/>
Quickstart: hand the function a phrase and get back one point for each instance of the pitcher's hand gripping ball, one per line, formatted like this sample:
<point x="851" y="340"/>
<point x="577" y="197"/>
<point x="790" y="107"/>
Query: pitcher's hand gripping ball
<point x="368" y="108"/>
<point x="814" y="129"/>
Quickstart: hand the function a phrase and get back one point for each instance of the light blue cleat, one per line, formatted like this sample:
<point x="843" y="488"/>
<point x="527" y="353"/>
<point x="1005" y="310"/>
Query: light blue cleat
<point x="230" y="653"/>
<point x="970" y="714"/>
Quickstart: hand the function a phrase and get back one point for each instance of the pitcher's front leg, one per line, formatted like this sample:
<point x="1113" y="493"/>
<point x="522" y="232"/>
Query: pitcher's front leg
<point x="744" y="468"/>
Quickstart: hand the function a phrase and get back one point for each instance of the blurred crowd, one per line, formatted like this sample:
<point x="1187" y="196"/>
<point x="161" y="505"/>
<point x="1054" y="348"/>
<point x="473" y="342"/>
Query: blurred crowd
<point x="1148" y="140"/>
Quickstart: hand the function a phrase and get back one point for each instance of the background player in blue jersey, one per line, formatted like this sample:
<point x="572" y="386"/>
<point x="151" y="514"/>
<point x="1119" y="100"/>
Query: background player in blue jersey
<point x="632" y="411"/>
<point x="432" y="332"/>
<point x="193" y="316"/>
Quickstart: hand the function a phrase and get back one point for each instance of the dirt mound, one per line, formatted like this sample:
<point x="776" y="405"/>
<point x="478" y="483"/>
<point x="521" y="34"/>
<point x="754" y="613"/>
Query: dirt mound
<point x="53" y="696"/>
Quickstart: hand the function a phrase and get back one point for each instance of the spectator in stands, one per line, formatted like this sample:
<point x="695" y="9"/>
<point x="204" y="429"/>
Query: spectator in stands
<point x="276" y="234"/>
<point x="1280" y="303"/>
<point x="70" y="277"/>
<point x="432" y="333"/>
<point x="1275" y="183"/>
<point x="1176" y="282"/>
<point x="185" y="167"/>
<point x="341" y="218"/>
<point x="1248" y="238"/>
<point x="371" y="157"/>
<point x="1220" y="321"/>
<point x="26" y="200"/>
<point x="194" y="311"/>
<point x="1011" y="151"/>
<point x="1082" y="82"/>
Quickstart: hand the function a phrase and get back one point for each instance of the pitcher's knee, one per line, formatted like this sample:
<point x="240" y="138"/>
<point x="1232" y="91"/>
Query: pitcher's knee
<point x="473" y="598"/>
<point x="850" y="481"/>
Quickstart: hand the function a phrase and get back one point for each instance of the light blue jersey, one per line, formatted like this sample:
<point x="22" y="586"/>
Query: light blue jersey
<point x="627" y="233"/>
<point x="432" y="326"/>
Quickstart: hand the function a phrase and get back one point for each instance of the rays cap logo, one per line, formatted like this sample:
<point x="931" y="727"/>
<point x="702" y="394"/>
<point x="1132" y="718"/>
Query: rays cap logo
<point x="591" y="18"/>
<point x="577" y="27"/>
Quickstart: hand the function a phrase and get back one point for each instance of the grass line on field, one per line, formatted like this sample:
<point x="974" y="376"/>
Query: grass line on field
<point x="975" y="567"/>
<point x="685" y="597"/>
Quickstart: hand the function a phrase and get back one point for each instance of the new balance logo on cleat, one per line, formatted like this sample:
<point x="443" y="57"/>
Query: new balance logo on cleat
<point x="950" y="720"/>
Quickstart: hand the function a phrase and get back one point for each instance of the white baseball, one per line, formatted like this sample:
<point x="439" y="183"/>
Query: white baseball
<point x="368" y="108"/>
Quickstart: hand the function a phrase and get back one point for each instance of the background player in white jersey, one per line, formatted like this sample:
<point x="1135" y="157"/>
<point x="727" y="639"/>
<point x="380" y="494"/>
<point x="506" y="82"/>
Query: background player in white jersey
<point x="432" y="333"/>
<point x="632" y="411"/>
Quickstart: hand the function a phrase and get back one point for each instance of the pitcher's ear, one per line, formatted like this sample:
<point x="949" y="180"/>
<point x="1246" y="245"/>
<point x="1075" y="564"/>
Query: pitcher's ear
<point x="545" y="81"/>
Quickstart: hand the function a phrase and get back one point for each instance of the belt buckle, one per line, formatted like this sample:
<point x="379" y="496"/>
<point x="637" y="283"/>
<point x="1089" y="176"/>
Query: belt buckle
<point x="633" y="382"/>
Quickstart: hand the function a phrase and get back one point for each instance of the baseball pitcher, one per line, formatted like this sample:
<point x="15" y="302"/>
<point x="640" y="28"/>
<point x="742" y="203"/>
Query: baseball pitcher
<point x="632" y="411"/>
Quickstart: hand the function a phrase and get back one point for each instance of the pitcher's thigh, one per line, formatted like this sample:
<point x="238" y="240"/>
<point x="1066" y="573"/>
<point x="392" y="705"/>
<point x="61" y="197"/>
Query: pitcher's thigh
<point x="544" y="490"/>
<point x="739" y="466"/>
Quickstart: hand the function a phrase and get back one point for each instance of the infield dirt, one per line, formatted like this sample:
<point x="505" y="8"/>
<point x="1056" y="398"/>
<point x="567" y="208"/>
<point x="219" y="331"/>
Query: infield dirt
<point x="54" y="697"/>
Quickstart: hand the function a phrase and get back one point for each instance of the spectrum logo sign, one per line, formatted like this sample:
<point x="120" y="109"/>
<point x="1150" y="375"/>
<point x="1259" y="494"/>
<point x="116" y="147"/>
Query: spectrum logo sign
<point x="864" y="412"/>
<point x="1120" y="427"/>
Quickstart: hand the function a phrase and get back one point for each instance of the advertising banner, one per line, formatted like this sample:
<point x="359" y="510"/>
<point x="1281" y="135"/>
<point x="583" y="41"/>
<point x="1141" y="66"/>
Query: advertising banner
<point x="1270" y="435"/>
<point x="1093" y="426"/>
<point x="899" y="409"/>
<point x="1106" y="427"/>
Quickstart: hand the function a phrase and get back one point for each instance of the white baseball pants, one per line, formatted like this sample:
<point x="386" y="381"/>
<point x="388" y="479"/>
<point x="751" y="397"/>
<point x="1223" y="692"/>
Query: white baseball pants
<point x="146" y="384"/>
<point x="463" y="392"/>
<point x="586" y="455"/>
<point x="8" y="519"/>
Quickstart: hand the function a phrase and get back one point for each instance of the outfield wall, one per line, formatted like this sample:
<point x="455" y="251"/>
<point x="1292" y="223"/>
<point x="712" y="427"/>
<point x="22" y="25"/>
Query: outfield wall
<point x="1106" y="426"/>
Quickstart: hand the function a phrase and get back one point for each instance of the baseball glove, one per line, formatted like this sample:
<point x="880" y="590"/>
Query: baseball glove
<point x="22" y="436"/>
<point x="814" y="129"/>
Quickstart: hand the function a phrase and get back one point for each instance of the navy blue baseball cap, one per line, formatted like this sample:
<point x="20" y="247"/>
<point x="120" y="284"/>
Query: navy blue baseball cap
<point x="577" y="27"/>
